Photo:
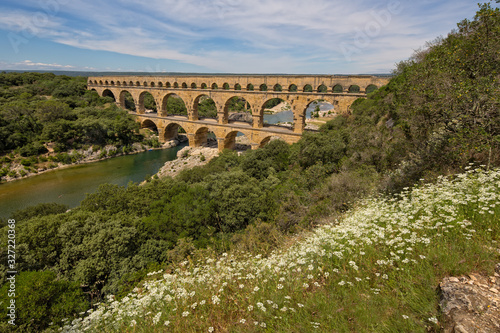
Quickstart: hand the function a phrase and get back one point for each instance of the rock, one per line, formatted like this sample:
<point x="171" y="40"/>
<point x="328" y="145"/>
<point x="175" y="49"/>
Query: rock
<point x="241" y="116"/>
<point x="470" y="307"/>
<point x="187" y="158"/>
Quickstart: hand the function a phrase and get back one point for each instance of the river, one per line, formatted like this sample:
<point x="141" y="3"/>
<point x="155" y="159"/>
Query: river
<point x="69" y="185"/>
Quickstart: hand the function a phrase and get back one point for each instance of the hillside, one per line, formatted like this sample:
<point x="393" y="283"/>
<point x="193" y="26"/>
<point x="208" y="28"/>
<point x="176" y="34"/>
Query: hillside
<point x="373" y="270"/>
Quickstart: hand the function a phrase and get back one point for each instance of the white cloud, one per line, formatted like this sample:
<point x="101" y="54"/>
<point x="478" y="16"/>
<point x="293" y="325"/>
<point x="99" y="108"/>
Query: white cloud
<point x="248" y="36"/>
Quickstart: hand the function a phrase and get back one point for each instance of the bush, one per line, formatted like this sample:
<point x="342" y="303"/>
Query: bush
<point x="39" y="210"/>
<point x="41" y="299"/>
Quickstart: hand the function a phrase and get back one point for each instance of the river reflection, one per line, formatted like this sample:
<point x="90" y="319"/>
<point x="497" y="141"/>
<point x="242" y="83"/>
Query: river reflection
<point x="69" y="186"/>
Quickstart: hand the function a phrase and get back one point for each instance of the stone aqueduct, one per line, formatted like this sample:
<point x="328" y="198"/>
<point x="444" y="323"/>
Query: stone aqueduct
<point x="299" y="91"/>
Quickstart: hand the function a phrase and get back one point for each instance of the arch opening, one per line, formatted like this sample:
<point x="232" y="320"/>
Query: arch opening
<point x="173" y="105"/>
<point x="147" y="103"/>
<point x="277" y="112"/>
<point x="322" y="89"/>
<point x="149" y="128"/>
<point x="237" y="86"/>
<point x="263" y="87"/>
<point x="205" y="138"/>
<point x="193" y="85"/>
<point x="307" y="88"/>
<point x="250" y="87"/>
<point x="175" y="131"/>
<point x="237" y="141"/>
<point x="238" y="109"/>
<point x="319" y="109"/>
<point x="292" y="88"/>
<point x="215" y="86"/>
<point x="354" y="89"/>
<point x="338" y="89"/>
<point x="371" y="88"/>
<point x="205" y="107"/>
<point x="127" y="101"/>
<point x="225" y="86"/>
<point x="203" y="86"/>
<point x="108" y="93"/>
<point x="184" y="85"/>
<point x="277" y="87"/>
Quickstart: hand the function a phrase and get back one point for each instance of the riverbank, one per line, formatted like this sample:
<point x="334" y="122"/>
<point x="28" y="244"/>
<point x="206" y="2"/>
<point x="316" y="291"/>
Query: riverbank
<point x="187" y="158"/>
<point x="21" y="168"/>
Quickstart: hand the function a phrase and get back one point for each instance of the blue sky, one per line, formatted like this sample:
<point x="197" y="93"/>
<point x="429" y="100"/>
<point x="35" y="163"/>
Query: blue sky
<point x="221" y="36"/>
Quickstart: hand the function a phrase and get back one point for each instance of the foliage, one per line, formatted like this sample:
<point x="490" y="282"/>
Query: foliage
<point x="41" y="299"/>
<point x="374" y="271"/>
<point x="39" y="210"/>
<point x="71" y="118"/>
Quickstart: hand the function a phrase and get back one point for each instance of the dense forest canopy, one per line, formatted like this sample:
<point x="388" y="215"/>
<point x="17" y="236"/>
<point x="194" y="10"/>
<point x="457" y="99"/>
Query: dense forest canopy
<point x="439" y="113"/>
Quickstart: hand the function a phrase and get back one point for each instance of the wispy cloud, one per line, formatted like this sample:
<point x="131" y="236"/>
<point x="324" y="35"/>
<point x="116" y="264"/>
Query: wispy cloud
<point x="246" y="36"/>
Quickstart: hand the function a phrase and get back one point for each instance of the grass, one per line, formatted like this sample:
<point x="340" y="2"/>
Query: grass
<point x="375" y="270"/>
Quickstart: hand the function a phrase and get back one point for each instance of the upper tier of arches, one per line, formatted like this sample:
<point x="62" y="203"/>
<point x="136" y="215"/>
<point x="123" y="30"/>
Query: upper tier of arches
<point x="320" y="85"/>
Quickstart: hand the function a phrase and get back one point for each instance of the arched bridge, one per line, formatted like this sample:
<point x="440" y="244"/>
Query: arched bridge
<point x="299" y="91"/>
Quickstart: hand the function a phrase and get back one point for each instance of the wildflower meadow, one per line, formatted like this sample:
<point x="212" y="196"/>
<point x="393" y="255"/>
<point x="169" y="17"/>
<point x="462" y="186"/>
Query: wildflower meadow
<point x="376" y="269"/>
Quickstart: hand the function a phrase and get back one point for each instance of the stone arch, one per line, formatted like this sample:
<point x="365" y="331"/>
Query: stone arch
<point x="250" y="87"/>
<point x="322" y="89"/>
<point x="176" y="85"/>
<point x="338" y="89"/>
<point x="240" y="107"/>
<point x="193" y="85"/>
<point x="147" y="102"/>
<point x="149" y="124"/>
<point x="131" y="83"/>
<point x="175" y="107"/>
<point x="277" y="87"/>
<point x="127" y="100"/>
<point x="292" y="88"/>
<point x="263" y="87"/>
<point x="152" y="84"/>
<point x="371" y="88"/>
<point x="215" y="86"/>
<point x="268" y="139"/>
<point x="307" y="88"/>
<point x="118" y="83"/>
<point x="225" y="86"/>
<point x="203" y="86"/>
<point x="201" y="136"/>
<point x="108" y="93"/>
<point x="184" y="85"/>
<point x="172" y="131"/>
<point x="209" y="107"/>
<point x="160" y="84"/>
<point x="112" y="83"/>
<point x="168" y="85"/>
<point x="100" y="83"/>
<point x="315" y="109"/>
<point x="145" y="84"/>
<point x="138" y="84"/>
<point x="230" y="140"/>
<point x="237" y="86"/>
<point x="106" y="83"/>
<point x="354" y="89"/>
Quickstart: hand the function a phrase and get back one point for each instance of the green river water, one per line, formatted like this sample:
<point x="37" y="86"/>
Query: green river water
<point x="69" y="185"/>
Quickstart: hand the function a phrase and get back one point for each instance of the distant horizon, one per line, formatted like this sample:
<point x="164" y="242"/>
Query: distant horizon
<point x="132" y="73"/>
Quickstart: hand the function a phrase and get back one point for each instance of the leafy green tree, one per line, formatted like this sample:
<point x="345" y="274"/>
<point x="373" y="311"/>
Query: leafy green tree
<point x="42" y="299"/>
<point x="39" y="210"/>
